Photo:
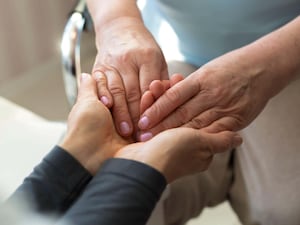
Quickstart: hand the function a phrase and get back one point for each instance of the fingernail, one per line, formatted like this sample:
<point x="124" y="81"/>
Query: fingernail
<point x="237" y="140"/>
<point x="124" y="127"/>
<point x="84" y="76"/>
<point x="146" y="136"/>
<point x="104" y="100"/>
<point x="143" y="123"/>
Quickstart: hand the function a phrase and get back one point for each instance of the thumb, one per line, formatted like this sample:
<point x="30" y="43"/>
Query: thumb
<point x="87" y="88"/>
<point x="222" y="141"/>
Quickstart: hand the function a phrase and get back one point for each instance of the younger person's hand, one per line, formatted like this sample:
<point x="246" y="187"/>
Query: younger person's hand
<point x="91" y="136"/>
<point x="181" y="151"/>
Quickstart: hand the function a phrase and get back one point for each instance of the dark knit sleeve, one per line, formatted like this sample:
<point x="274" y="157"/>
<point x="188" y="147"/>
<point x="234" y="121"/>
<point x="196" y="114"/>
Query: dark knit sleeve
<point x="123" y="192"/>
<point x="54" y="184"/>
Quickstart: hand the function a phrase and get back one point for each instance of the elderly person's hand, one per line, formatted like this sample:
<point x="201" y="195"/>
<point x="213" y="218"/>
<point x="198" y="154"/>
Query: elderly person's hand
<point x="230" y="91"/>
<point x="91" y="137"/>
<point x="128" y="59"/>
<point x="214" y="97"/>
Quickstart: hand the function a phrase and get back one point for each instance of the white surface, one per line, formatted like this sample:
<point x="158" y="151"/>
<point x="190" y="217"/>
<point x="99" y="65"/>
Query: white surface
<point x="24" y="139"/>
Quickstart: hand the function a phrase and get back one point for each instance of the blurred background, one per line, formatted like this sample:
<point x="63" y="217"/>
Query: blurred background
<point x="30" y="61"/>
<point x="33" y="103"/>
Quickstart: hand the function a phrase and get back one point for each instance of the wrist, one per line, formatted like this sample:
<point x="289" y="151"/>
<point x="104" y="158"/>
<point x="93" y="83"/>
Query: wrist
<point x="81" y="154"/>
<point x="120" y="24"/>
<point x="278" y="55"/>
<point x="103" y="11"/>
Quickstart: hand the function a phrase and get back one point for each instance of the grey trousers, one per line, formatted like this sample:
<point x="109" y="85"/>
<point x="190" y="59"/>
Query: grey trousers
<point x="260" y="179"/>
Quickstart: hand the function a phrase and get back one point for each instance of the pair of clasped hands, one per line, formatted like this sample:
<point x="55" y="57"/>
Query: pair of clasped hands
<point x="130" y="78"/>
<point x="92" y="138"/>
<point x="181" y="123"/>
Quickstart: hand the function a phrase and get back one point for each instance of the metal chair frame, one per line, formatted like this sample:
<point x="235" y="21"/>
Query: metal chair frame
<point x="78" y="21"/>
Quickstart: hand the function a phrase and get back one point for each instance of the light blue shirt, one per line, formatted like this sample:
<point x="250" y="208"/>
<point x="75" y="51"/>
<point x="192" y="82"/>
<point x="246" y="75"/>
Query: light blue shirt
<point x="207" y="29"/>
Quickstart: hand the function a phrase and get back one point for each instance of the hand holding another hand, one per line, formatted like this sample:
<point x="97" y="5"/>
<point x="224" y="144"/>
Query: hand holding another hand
<point x="128" y="60"/>
<point x="181" y="151"/>
<point x="91" y="137"/>
<point x="225" y="94"/>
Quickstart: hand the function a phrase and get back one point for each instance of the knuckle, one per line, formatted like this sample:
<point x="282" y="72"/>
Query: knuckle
<point x="231" y="123"/>
<point x="124" y="57"/>
<point x="100" y="78"/>
<point x="197" y="123"/>
<point x="133" y="95"/>
<point x="205" y="119"/>
<point x="120" y="113"/>
<point x="99" y="67"/>
<point x="238" y="123"/>
<point x="183" y="113"/>
<point x="116" y="90"/>
<point x="149" y="53"/>
<point x="173" y="96"/>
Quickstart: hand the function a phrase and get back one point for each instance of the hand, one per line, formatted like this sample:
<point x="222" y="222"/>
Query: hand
<point x="225" y="94"/>
<point x="128" y="60"/>
<point x="180" y="151"/>
<point x="156" y="89"/>
<point x="91" y="137"/>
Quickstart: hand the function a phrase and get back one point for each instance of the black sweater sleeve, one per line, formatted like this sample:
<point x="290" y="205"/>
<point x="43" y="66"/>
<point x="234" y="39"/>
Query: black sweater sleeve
<point x="123" y="192"/>
<point x="54" y="184"/>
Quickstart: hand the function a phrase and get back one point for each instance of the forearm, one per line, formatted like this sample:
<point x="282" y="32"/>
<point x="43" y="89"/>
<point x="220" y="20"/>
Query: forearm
<point x="103" y="11"/>
<point x="276" y="57"/>
<point x="54" y="184"/>
<point x="123" y="192"/>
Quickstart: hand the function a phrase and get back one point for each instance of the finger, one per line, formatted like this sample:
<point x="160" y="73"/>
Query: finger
<point x="181" y="117"/>
<point x="205" y="118"/>
<point x="119" y="109"/>
<point x="148" y="73"/>
<point x="225" y="123"/>
<point x="219" y="142"/>
<point x="152" y="71"/>
<point x="133" y="94"/>
<point x="167" y="84"/>
<point x="87" y="88"/>
<point x="103" y="92"/>
<point x="176" y="78"/>
<point x="146" y="101"/>
<point x="167" y="103"/>
<point x="157" y="88"/>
